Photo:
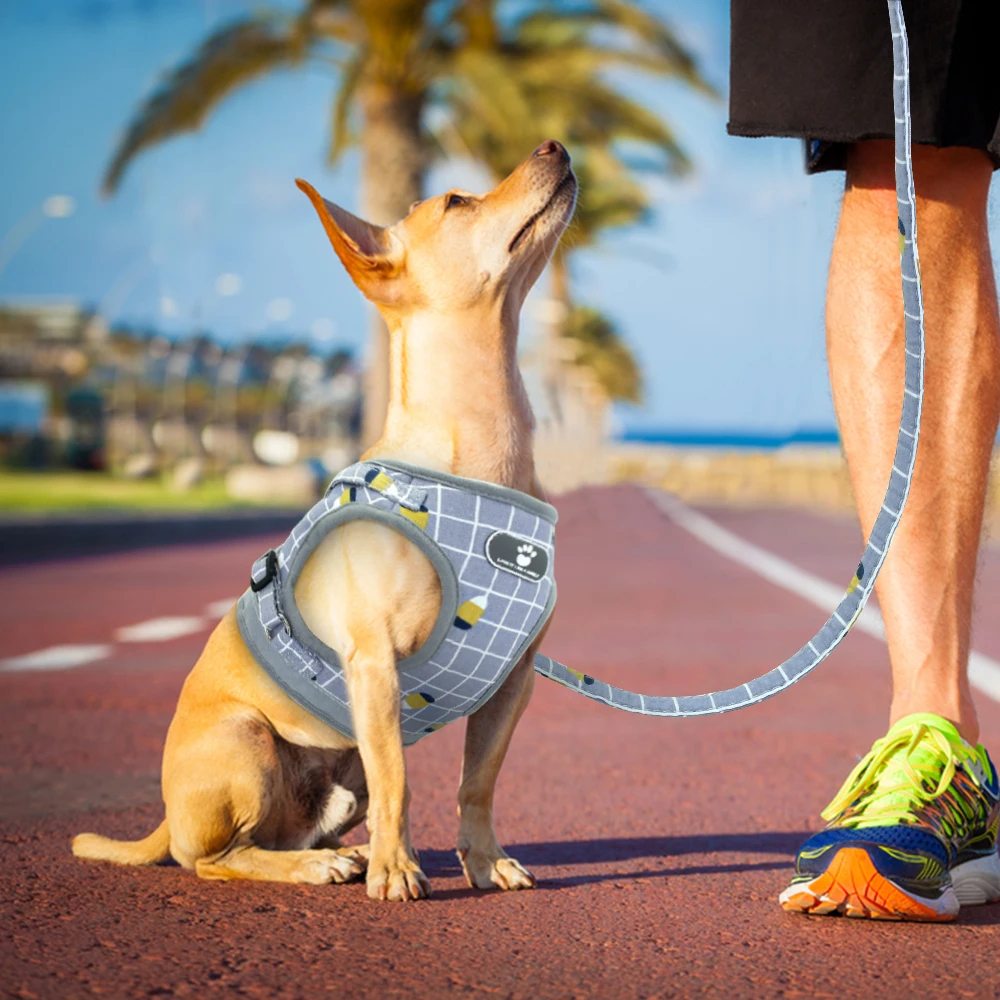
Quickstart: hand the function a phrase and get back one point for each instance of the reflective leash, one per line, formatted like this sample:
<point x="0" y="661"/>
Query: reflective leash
<point x="814" y="652"/>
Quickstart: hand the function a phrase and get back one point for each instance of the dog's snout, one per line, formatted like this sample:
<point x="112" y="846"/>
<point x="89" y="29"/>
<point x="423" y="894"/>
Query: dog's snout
<point x="552" y="148"/>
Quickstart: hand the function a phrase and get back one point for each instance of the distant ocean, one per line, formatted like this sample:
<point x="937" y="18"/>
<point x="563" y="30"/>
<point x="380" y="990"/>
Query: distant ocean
<point x="756" y="440"/>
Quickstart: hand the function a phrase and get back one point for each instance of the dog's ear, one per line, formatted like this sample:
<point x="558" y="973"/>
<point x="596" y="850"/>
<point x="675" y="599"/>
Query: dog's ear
<point x="370" y="253"/>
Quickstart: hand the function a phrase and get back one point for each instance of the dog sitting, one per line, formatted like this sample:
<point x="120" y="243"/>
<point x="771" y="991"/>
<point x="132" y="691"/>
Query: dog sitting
<point x="257" y="786"/>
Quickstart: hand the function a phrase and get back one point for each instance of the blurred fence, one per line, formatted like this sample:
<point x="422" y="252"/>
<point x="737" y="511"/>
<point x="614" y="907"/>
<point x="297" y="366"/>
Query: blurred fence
<point x="812" y="477"/>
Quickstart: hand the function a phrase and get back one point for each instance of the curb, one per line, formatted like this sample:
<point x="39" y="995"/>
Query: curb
<point x="32" y="539"/>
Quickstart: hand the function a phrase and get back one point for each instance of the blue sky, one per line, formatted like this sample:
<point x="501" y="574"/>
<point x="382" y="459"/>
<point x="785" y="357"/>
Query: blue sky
<point x="721" y="296"/>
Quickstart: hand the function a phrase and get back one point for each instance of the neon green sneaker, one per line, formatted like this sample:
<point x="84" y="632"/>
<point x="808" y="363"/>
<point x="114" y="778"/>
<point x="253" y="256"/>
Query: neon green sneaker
<point x="911" y="835"/>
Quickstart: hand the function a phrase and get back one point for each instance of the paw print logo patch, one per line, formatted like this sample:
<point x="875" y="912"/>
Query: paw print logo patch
<point x="526" y="554"/>
<point x="517" y="555"/>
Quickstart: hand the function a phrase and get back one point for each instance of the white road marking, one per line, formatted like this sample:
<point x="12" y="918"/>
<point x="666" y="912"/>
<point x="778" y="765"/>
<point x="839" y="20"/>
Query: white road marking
<point x="219" y="609"/>
<point x="154" y="630"/>
<point x="161" y="629"/>
<point x="984" y="672"/>
<point x="57" y="658"/>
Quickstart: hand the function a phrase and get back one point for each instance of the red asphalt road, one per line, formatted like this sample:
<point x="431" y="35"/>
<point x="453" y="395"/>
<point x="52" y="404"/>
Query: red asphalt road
<point x="660" y="846"/>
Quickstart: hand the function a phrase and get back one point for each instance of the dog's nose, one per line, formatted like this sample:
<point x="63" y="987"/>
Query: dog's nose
<point x="551" y="148"/>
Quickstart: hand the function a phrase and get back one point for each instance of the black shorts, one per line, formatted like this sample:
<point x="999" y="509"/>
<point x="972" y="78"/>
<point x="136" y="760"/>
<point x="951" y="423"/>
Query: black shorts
<point x="822" y="70"/>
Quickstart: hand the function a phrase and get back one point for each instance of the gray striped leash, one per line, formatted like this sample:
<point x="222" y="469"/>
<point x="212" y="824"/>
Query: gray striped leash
<point x="814" y="652"/>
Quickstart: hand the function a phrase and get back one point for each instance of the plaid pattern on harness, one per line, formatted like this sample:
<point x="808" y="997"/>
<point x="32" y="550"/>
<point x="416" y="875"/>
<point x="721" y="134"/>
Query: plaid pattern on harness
<point x="496" y="612"/>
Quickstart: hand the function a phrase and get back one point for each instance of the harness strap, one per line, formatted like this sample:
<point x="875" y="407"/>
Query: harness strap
<point x="265" y="574"/>
<point x="858" y="591"/>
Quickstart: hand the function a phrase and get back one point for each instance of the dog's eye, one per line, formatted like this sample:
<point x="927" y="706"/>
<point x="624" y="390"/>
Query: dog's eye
<point x="455" y="201"/>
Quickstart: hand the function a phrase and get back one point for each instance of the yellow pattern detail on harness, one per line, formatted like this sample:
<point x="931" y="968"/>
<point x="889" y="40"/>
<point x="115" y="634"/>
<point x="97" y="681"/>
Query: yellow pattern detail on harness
<point x="380" y="482"/>
<point x="417" y="700"/>
<point x="578" y="674"/>
<point x="853" y="586"/>
<point x="348" y="496"/>
<point x="470" y="612"/>
<point x="418" y="517"/>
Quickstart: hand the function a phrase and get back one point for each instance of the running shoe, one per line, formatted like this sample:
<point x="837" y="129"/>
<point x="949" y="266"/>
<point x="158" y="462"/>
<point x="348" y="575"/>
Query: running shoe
<point x="911" y="835"/>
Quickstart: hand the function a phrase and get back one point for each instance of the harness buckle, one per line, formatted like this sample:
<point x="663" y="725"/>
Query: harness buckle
<point x="270" y="572"/>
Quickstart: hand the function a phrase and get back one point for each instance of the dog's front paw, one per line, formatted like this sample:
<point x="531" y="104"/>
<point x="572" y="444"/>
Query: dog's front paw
<point x="398" y="878"/>
<point x="484" y="871"/>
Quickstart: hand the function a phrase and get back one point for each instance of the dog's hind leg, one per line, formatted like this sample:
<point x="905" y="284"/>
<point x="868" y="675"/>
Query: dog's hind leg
<point x="234" y="797"/>
<point x="247" y="861"/>
<point x="487" y="738"/>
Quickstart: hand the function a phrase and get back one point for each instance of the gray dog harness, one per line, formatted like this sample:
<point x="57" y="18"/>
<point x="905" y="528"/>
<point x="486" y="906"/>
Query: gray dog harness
<point x="493" y="549"/>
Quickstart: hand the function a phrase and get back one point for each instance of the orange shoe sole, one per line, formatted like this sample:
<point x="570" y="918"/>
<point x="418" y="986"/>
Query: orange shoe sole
<point x="852" y="886"/>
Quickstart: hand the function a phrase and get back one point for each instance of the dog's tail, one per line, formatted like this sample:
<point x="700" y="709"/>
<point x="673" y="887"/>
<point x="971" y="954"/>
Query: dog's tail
<point x="148" y="851"/>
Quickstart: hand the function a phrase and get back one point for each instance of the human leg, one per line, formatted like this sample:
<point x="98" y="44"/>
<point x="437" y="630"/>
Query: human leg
<point x="912" y="833"/>
<point x="926" y="585"/>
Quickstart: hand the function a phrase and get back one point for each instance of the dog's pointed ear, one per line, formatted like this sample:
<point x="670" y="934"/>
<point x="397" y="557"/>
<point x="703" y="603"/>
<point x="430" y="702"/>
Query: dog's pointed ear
<point x="370" y="253"/>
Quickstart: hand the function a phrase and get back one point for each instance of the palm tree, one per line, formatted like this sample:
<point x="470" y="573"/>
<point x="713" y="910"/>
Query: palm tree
<point x="403" y="63"/>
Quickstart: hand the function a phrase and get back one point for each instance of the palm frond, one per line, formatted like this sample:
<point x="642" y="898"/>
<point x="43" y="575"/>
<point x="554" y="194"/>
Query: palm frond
<point x="231" y="57"/>
<point x="594" y="112"/>
<point x="610" y="196"/>
<point x="599" y="348"/>
<point x="332" y="18"/>
<point x="627" y="27"/>
<point x="397" y="40"/>
<point x="500" y="100"/>
<point x="340" y="135"/>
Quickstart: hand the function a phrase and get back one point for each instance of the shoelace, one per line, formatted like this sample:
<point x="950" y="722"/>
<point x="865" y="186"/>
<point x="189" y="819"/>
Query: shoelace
<point x="919" y="781"/>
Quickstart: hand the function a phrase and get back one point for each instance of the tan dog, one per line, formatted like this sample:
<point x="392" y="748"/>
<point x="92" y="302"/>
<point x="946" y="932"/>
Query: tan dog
<point x="257" y="787"/>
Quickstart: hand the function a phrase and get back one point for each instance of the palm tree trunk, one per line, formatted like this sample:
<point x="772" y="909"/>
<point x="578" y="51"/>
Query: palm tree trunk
<point x="569" y="446"/>
<point x="392" y="164"/>
<point x="553" y="359"/>
<point x="560" y="277"/>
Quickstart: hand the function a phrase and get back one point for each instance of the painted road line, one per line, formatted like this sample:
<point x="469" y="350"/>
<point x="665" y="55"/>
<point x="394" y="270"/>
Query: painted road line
<point x="57" y="657"/>
<point x="161" y="629"/>
<point x="154" y="630"/>
<point x="984" y="672"/>
<point x="219" y="609"/>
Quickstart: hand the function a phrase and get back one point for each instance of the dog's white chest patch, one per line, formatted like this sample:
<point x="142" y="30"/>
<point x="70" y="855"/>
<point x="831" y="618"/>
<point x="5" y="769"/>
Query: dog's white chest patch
<point x="340" y="806"/>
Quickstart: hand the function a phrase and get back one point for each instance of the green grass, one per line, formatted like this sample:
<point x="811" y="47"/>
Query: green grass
<point x="40" y="492"/>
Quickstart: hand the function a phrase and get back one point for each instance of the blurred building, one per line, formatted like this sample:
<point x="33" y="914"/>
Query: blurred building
<point x="47" y="339"/>
<point x="73" y="392"/>
<point x="48" y="414"/>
